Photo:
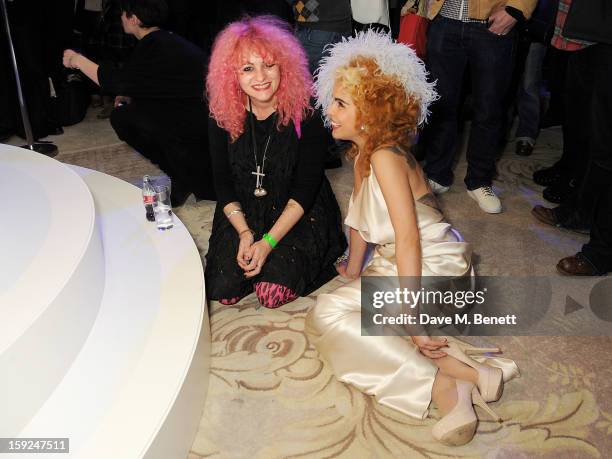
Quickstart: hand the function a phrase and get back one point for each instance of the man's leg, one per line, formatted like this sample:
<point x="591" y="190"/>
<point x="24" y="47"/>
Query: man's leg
<point x="595" y="258"/>
<point x="599" y="248"/>
<point x="491" y="63"/>
<point x="596" y="188"/>
<point x="529" y="108"/>
<point x="578" y="93"/>
<point x="446" y="61"/>
<point x="593" y="203"/>
<point x="574" y="160"/>
<point x="555" y="79"/>
<point x="555" y="113"/>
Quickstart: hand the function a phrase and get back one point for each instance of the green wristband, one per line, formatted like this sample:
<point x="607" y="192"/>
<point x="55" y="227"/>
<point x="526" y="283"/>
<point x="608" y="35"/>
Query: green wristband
<point x="270" y="240"/>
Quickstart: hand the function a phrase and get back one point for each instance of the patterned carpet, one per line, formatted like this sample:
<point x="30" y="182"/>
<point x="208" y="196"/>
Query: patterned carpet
<point x="271" y="396"/>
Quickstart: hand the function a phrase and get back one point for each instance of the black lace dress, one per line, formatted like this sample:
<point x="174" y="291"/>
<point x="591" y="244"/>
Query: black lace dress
<point x="303" y="259"/>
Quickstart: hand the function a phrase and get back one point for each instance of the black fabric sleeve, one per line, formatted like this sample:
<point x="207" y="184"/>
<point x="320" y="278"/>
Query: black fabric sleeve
<point x="515" y="13"/>
<point x="222" y="177"/>
<point x="310" y="170"/>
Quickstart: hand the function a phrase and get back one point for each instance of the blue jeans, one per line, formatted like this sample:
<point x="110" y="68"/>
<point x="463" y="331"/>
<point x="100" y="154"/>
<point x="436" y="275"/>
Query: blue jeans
<point x="528" y="105"/>
<point x="314" y="41"/>
<point x="452" y="46"/>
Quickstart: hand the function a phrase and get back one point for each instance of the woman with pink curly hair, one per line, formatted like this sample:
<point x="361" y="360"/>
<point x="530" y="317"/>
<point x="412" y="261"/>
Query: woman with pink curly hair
<point x="277" y="227"/>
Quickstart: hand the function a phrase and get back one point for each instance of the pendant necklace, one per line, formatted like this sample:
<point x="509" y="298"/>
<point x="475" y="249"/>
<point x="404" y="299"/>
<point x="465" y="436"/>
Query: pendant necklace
<point x="259" y="191"/>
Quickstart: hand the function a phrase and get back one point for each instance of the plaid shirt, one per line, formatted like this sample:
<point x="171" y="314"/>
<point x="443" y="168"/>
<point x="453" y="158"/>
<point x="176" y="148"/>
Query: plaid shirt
<point x="458" y="10"/>
<point x="558" y="40"/>
<point x="306" y="11"/>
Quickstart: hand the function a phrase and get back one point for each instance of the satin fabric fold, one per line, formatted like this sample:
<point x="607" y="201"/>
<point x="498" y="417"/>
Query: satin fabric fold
<point x="444" y="254"/>
<point x="390" y="368"/>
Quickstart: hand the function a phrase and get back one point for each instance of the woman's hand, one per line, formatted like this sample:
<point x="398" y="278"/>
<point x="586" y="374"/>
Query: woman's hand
<point x="74" y="60"/>
<point x="430" y="347"/>
<point x="246" y="241"/>
<point x="70" y="56"/>
<point x="345" y="272"/>
<point x="258" y="253"/>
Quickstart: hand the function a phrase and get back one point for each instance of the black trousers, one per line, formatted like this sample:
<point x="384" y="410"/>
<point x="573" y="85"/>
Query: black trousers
<point x="599" y="248"/>
<point x="595" y="194"/>
<point x="176" y="140"/>
<point x="579" y="93"/>
<point x="452" y="47"/>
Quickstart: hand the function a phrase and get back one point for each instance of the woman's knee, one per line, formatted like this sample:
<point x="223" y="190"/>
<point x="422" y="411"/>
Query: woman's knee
<point x="331" y="309"/>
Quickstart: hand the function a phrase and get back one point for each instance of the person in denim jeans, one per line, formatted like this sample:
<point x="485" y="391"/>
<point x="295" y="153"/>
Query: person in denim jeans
<point x="535" y="38"/>
<point x="528" y="103"/>
<point x="481" y="37"/>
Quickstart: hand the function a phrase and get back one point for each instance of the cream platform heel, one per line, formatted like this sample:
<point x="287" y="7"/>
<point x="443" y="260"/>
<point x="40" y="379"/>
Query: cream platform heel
<point x="459" y="426"/>
<point x="490" y="379"/>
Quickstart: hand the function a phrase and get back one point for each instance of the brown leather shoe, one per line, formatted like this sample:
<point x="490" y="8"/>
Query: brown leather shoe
<point x="577" y="265"/>
<point x="561" y="218"/>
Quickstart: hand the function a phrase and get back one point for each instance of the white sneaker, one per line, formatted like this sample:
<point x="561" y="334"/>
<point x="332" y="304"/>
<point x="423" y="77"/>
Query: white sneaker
<point x="486" y="199"/>
<point x="436" y="187"/>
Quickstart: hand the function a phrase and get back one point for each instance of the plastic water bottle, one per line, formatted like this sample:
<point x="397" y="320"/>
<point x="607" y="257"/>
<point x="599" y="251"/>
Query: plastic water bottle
<point x="148" y="197"/>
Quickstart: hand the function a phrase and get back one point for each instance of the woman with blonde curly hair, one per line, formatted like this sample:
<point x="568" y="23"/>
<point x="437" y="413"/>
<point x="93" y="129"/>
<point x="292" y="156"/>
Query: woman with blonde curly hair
<point x="277" y="227"/>
<point x="375" y="94"/>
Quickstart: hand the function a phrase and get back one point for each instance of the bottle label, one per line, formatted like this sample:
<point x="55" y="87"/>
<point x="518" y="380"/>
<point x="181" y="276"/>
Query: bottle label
<point x="148" y="199"/>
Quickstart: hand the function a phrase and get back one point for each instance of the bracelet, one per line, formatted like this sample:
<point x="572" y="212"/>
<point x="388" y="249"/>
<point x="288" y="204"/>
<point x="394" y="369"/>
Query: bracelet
<point x="233" y="212"/>
<point x="249" y="230"/>
<point x="341" y="259"/>
<point x="270" y="240"/>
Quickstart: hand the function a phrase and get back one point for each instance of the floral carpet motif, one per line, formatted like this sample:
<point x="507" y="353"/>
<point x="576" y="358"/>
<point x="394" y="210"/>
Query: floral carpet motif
<point x="276" y="398"/>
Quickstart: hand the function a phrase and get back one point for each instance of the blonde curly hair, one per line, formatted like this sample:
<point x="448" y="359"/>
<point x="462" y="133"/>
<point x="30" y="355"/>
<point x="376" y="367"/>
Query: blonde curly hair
<point x="388" y="114"/>
<point x="388" y="82"/>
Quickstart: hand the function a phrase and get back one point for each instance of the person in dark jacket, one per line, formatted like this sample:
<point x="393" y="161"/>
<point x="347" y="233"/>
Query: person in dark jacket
<point x="277" y="227"/>
<point x="591" y="69"/>
<point x="161" y="110"/>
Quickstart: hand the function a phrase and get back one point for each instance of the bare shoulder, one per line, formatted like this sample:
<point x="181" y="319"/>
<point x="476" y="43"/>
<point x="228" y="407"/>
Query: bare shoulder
<point x="387" y="159"/>
<point x="389" y="167"/>
<point x="400" y="153"/>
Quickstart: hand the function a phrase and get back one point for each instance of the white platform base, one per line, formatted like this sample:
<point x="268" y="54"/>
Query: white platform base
<point x="124" y="372"/>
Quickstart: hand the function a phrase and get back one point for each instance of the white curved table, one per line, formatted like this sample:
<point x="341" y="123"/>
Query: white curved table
<point x="104" y="332"/>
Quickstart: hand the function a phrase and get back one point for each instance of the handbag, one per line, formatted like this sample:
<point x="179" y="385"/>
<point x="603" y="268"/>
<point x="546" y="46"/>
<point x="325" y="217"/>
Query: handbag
<point x="370" y="11"/>
<point x="590" y="21"/>
<point x="413" y="32"/>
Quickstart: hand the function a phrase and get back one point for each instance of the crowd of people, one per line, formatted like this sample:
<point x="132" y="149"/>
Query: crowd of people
<point x="252" y="117"/>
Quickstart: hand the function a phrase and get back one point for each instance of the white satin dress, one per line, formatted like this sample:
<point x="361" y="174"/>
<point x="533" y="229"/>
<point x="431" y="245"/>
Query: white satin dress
<point x="389" y="367"/>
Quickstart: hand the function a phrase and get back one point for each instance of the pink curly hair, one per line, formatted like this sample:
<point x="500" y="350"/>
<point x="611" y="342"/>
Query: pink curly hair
<point x="273" y="41"/>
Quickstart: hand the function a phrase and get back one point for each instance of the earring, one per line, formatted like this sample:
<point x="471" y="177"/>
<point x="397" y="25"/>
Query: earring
<point x="362" y="127"/>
